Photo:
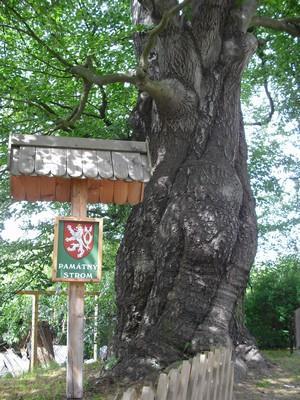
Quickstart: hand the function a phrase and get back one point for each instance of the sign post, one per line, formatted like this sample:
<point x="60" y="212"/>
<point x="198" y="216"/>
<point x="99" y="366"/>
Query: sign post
<point x="80" y="171"/>
<point x="34" y="323"/>
<point x="77" y="259"/>
<point x="297" y="326"/>
<point x="34" y="328"/>
<point x="76" y="307"/>
<point x="77" y="250"/>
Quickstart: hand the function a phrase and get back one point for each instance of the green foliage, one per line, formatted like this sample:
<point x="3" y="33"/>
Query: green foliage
<point x="274" y="176"/>
<point x="49" y="384"/>
<point x="15" y="320"/>
<point x="271" y="300"/>
<point x="37" y="91"/>
<point x="15" y="310"/>
<point x="276" y="62"/>
<point x="106" y="314"/>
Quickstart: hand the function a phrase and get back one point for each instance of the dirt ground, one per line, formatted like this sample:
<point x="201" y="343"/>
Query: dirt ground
<point x="280" y="382"/>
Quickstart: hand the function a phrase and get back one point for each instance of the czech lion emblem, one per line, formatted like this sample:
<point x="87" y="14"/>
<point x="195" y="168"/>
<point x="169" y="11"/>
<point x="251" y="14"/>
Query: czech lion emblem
<point x="78" y="238"/>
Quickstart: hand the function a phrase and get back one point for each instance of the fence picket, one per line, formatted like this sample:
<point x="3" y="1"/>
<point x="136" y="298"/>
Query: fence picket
<point x="173" y="385"/>
<point x="147" y="393"/>
<point x="184" y="380"/>
<point x="201" y="388"/>
<point x="230" y="394"/>
<point x="227" y="374"/>
<point x="216" y="373"/>
<point x="130" y="394"/>
<point x="194" y="378"/>
<point x="209" y="382"/>
<point x="162" y="387"/>
<point x="222" y="376"/>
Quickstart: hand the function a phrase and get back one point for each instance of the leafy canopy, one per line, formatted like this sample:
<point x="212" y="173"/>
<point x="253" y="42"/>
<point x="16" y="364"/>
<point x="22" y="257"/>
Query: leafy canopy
<point x="271" y="300"/>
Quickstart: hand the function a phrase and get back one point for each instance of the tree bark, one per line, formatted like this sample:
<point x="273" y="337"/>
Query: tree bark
<point x="188" y="248"/>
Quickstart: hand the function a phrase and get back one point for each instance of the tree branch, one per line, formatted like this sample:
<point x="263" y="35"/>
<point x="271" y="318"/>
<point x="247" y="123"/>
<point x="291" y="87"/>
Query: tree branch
<point x="271" y="102"/>
<point x="23" y="31"/>
<point x="103" y="107"/>
<point x="153" y="34"/>
<point x="163" y="92"/>
<point x="36" y="103"/>
<point x="101" y="80"/>
<point x="268" y="118"/>
<point x="70" y="121"/>
<point x="245" y="12"/>
<point x="66" y="107"/>
<point x="288" y="25"/>
<point x="43" y="107"/>
<point x="32" y="34"/>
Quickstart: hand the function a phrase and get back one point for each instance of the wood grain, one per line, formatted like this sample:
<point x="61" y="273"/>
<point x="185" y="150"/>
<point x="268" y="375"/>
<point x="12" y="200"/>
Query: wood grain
<point x="14" y="161"/>
<point x="34" y="330"/>
<point x="93" y="191"/>
<point x="76" y="307"/>
<point x="74" y="163"/>
<point x="43" y="161"/>
<point x="47" y="188"/>
<point x="17" y="189"/>
<point x="120" y="165"/>
<point x="32" y="188"/>
<point x="134" y="192"/>
<point x="59" y="162"/>
<point x="89" y="164"/>
<point x="106" y="191"/>
<point x="26" y="160"/>
<point x="104" y="163"/>
<point x="135" y="168"/>
<point x="120" y="192"/>
<point x="63" y="190"/>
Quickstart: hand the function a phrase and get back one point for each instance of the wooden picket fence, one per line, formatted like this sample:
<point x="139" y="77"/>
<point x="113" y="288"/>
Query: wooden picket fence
<point x="207" y="376"/>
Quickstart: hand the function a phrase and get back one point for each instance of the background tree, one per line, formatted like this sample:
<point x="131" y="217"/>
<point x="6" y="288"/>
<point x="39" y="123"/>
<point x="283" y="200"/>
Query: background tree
<point x="187" y="250"/>
<point x="271" y="301"/>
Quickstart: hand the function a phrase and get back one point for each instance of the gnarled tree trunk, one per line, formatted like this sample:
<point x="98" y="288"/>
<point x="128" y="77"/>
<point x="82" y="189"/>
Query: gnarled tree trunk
<point x="187" y="251"/>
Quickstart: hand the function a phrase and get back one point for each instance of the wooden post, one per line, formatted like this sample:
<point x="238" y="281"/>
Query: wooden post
<point x="76" y="307"/>
<point x="34" y="330"/>
<point x="96" y="328"/>
<point x="297" y="328"/>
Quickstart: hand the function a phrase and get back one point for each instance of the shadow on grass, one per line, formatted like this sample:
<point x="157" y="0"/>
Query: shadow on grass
<point x="45" y="384"/>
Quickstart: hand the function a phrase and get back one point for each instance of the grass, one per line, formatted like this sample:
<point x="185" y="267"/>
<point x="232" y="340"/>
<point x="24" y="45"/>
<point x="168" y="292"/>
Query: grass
<point x="45" y="384"/>
<point x="289" y="362"/>
<point x="280" y="381"/>
<point x="289" y="365"/>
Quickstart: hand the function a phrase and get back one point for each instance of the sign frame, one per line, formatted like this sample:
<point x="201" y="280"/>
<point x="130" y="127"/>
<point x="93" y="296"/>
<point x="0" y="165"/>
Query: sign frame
<point x="96" y="221"/>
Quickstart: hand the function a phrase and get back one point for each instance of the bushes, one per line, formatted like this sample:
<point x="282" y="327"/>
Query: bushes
<point x="271" y="300"/>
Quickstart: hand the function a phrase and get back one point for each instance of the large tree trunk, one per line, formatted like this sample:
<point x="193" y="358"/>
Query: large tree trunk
<point x="187" y="250"/>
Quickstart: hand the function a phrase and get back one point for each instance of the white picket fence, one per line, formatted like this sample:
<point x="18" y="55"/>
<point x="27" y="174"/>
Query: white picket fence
<point x="207" y="376"/>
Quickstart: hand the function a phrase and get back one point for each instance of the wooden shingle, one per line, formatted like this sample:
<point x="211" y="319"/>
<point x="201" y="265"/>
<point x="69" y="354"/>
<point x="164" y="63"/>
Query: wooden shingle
<point x="116" y="170"/>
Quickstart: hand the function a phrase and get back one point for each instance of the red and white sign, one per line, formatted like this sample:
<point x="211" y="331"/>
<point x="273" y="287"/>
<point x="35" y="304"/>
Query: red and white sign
<point x="78" y="238"/>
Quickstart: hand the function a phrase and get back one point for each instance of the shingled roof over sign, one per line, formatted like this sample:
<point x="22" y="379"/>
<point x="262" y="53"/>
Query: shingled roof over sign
<point x="42" y="168"/>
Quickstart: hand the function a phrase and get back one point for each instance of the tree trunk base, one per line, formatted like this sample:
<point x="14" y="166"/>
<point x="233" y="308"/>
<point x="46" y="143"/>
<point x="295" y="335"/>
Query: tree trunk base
<point x="246" y="358"/>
